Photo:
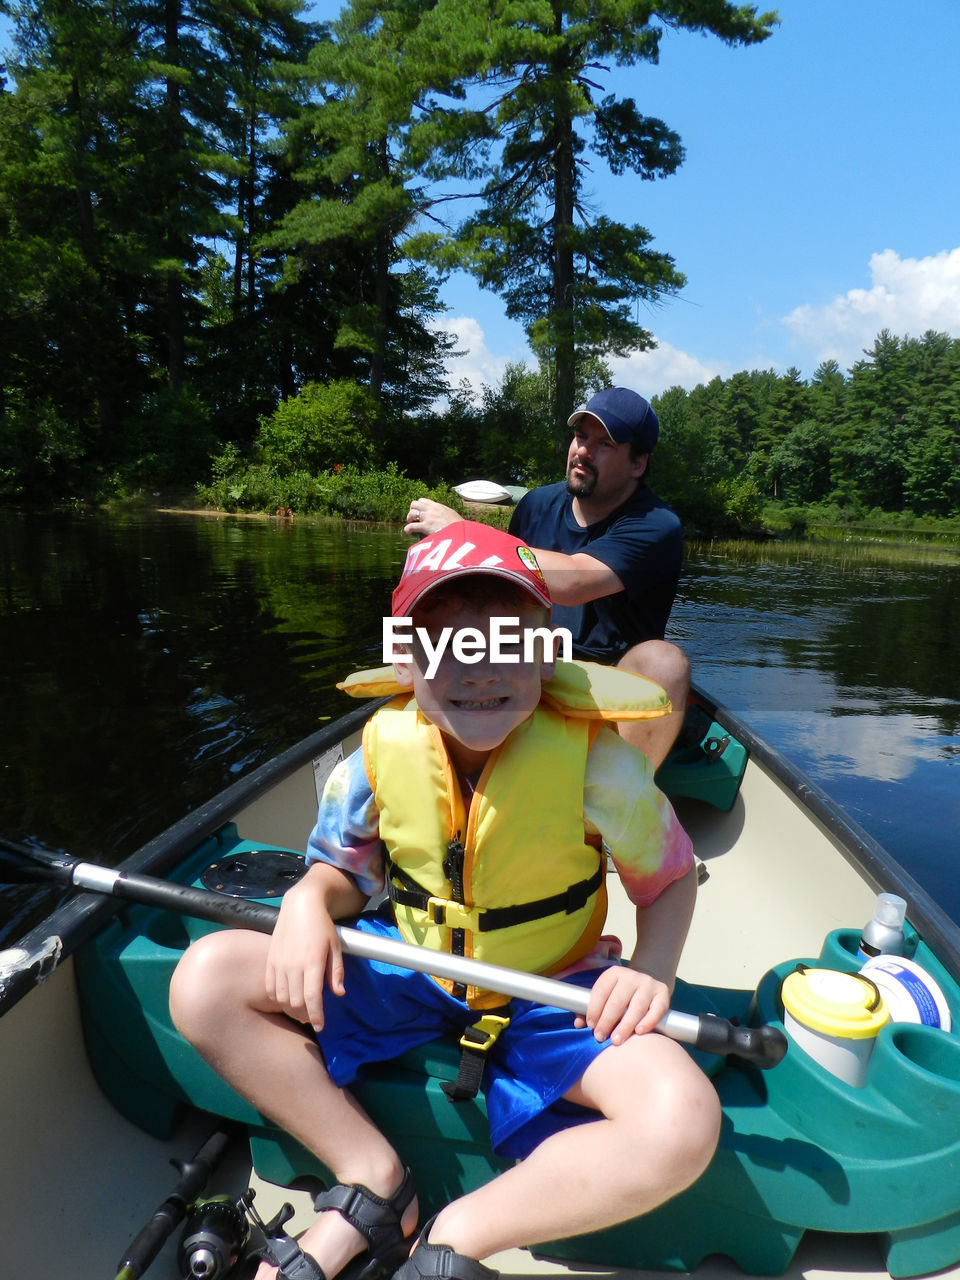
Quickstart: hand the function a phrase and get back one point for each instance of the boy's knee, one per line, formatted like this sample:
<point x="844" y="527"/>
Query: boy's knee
<point x="686" y="1112"/>
<point x="198" y="983"/>
<point x="706" y="1116"/>
<point x="697" y="1116"/>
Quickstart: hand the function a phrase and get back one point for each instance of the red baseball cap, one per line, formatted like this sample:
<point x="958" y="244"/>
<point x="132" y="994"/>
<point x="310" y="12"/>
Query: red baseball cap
<point x="460" y="549"/>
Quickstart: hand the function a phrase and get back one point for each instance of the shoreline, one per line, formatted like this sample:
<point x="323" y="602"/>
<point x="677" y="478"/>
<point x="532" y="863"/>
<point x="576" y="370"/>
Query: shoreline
<point x="866" y="532"/>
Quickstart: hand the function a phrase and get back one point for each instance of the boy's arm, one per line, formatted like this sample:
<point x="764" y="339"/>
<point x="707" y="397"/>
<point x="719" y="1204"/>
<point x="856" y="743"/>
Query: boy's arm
<point x="305" y="951"/>
<point x="344" y="868"/>
<point x="662" y="929"/>
<point x="631" y="1000"/>
<point x="653" y="856"/>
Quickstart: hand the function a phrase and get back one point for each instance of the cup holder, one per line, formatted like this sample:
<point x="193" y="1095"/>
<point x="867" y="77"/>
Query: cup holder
<point x="167" y="931"/>
<point x="918" y="1070"/>
<point x="839" y="950"/>
<point x="928" y="1050"/>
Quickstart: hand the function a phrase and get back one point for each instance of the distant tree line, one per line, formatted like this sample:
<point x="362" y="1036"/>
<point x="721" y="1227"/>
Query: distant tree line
<point x="212" y="208"/>
<point x="883" y="438"/>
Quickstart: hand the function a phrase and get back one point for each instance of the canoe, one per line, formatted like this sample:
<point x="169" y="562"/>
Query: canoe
<point x="812" y="1173"/>
<point x="482" y="491"/>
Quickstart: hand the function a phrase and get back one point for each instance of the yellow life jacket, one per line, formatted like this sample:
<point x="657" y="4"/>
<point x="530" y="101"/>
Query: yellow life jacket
<point x="516" y="880"/>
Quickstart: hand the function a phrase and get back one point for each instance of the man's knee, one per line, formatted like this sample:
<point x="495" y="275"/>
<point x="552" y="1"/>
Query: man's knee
<point x="664" y="663"/>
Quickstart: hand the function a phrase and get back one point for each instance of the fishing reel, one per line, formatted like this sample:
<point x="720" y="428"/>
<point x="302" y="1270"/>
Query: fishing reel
<point x="213" y="1239"/>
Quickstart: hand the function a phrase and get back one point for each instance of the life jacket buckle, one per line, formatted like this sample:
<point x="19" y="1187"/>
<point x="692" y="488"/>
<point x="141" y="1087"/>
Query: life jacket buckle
<point x="476" y="1041"/>
<point x="491" y="1026"/>
<point x="453" y="914"/>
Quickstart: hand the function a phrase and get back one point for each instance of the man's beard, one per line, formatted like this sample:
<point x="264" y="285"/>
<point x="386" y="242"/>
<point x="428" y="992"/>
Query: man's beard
<point x="581" y="488"/>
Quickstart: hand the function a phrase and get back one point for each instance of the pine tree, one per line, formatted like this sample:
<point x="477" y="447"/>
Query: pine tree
<point x="536" y="123"/>
<point x="363" y="193"/>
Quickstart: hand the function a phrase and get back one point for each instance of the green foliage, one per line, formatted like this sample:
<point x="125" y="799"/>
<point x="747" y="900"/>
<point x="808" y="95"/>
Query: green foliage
<point x="344" y="491"/>
<point x="222" y="230"/>
<point x="536" y="126"/>
<point x="322" y="427"/>
<point x="168" y="442"/>
<point x="39" y="451"/>
<point x="881" y="443"/>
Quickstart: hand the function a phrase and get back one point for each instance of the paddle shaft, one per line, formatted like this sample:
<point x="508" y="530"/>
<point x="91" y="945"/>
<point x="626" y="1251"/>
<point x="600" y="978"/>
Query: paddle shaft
<point x="764" y="1045"/>
<point x="208" y="905"/>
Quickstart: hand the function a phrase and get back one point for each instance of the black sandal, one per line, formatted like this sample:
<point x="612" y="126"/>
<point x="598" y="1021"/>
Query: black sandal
<point x="376" y="1218"/>
<point x="441" y="1262"/>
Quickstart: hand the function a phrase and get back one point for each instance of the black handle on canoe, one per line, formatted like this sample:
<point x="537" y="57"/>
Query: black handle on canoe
<point x="25" y="864"/>
<point x="764" y="1046"/>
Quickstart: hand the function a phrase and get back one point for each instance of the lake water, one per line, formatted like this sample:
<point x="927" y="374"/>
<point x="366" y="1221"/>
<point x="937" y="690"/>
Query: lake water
<point x="149" y="659"/>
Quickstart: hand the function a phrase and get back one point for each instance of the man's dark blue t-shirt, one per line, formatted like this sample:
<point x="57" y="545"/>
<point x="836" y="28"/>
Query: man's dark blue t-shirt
<point x="642" y="542"/>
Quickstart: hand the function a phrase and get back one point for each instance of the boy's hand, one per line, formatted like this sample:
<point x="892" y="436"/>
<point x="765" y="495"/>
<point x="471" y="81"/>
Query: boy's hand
<point x="304" y="954"/>
<point x="624" y="1002"/>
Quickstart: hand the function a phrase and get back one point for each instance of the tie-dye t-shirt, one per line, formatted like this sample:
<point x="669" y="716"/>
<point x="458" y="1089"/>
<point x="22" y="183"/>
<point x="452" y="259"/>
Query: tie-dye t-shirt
<point x="635" y="820"/>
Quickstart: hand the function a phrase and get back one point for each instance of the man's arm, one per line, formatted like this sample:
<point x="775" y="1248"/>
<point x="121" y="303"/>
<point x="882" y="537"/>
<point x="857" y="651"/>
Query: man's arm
<point x="576" y="579"/>
<point x="572" y="579"/>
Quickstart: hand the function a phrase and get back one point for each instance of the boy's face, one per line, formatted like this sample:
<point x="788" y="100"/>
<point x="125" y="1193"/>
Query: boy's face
<point x="475" y="705"/>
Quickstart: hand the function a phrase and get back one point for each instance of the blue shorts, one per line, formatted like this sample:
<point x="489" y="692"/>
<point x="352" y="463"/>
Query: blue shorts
<point x="541" y="1054"/>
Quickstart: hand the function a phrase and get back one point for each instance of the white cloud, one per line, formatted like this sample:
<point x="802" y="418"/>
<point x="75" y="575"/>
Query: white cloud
<point x="478" y="365"/>
<point x="887" y="748"/>
<point x="649" y="372"/>
<point x="665" y="366"/>
<point x="907" y="296"/>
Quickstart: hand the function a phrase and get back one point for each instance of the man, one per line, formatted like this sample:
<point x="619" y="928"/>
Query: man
<point x="610" y="551"/>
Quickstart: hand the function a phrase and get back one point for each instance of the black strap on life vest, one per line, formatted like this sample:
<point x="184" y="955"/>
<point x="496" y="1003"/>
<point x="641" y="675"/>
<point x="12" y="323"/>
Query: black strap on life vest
<point x="475" y="1043"/>
<point x="477" y="1040"/>
<point x="407" y="893"/>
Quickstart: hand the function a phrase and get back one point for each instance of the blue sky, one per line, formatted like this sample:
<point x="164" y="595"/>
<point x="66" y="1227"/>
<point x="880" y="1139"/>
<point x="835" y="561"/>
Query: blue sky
<point x="819" y="201"/>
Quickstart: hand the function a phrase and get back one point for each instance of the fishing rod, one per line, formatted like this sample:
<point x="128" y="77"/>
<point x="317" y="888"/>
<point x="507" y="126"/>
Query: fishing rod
<point x="148" y="1242"/>
<point x="764" y="1046"/>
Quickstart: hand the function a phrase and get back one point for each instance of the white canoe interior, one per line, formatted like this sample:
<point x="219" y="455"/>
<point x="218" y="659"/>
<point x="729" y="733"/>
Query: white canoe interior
<point x="78" y="1181"/>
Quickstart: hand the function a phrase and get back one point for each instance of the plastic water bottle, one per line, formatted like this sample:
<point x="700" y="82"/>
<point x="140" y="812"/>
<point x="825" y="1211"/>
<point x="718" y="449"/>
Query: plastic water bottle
<point x="883" y="933"/>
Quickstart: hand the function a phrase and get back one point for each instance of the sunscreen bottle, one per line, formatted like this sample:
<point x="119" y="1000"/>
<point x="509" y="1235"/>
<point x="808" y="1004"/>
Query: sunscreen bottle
<point x="883" y="933"/>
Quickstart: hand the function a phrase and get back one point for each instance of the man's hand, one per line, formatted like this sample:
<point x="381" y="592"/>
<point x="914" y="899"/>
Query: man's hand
<point x="426" y="516"/>
<point x="623" y="1003"/>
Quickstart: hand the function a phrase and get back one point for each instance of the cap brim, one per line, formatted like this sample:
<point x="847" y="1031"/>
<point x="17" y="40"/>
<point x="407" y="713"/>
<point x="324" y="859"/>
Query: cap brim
<point x="584" y="412"/>
<point x="410" y="599"/>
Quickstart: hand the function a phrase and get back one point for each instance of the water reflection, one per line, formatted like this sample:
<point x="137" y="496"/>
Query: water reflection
<point x="848" y="660"/>
<point x="149" y="660"/>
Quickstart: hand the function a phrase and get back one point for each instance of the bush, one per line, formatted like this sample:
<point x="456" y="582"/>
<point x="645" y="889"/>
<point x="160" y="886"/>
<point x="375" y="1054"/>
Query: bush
<point x="343" y="491"/>
<point x="39" y="451"/>
<point x="322" y="427"/>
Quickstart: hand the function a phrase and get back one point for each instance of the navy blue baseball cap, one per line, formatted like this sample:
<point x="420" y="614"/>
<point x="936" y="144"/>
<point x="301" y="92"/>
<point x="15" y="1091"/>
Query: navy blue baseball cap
<point x="627" y="417"/>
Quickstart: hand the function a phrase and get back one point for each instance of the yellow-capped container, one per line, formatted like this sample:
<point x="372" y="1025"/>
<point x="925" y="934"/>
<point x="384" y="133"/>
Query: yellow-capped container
<point x="834" y="1017"/>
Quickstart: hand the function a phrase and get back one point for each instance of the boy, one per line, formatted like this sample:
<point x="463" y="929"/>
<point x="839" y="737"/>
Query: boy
<point x="477" y="803"/>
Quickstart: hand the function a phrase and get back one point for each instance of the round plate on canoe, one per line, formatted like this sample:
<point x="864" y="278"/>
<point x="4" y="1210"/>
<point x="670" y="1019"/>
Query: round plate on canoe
<point x="258" y="873"/>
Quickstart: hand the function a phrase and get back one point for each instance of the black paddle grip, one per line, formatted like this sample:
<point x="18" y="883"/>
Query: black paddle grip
<point x="764" y="1046"/>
